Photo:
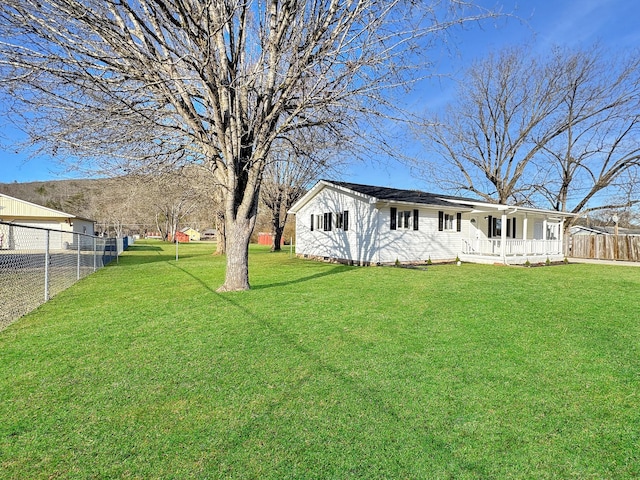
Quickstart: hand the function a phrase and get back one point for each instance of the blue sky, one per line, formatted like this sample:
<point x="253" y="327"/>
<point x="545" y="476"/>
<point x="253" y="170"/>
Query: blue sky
<point x="543" y="23"/>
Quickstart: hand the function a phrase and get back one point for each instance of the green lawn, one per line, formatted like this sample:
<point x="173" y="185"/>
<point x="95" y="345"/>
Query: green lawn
<point x="143" y="371"/>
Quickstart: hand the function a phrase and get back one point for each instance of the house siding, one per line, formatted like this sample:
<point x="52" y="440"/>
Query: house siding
<point x="355" y="244"/>
<point x="419" y="245"/>
<point x="369" y="238"/>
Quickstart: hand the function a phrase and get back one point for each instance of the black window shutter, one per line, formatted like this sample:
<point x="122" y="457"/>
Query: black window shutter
<point x="393" y="218"/>
<point x="312" y="222"/>
<point x="440" y="221"/>
<point x="415" y="219"/>
<point x="345" y="219"/>
<point x="513" y="227"/>
<point x="490" y="226"/>
<point x="508" y="228"/>
<point x="458" y="222"/>
<point x="328" y="221"/>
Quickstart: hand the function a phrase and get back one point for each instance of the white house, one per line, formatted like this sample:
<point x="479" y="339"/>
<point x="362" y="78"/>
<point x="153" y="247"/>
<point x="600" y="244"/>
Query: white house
<point x="365" y="224"/>
<point x="20" y="212"/>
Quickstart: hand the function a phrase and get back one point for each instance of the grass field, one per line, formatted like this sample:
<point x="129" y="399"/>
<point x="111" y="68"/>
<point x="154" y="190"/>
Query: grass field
<point x="143" y="371"/>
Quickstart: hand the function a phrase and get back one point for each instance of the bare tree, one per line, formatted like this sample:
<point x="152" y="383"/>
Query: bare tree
<point x="294" y="164"/>
<point x="211" y="198"/>
<point x="525" y="126"/>
<point x="214" y="81"/>
<point x="175" y="196"/>
<point x="599" y="148"/>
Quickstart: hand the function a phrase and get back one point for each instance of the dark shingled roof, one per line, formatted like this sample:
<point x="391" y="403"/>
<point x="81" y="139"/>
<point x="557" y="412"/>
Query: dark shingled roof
<point x="398" y="195"/>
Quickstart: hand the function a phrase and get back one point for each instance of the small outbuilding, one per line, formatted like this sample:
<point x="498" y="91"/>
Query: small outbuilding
<point x="20" y="212"/>
<point x="193" y="234"/>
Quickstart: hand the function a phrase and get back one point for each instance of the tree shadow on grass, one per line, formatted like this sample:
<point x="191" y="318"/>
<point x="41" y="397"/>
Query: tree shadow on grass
<point x="154" y="253"/>
<point x="333" y="271"/>
<point x="308" y="278"/>
<point x="146" y="248"/>
<point x="371" y="395"/>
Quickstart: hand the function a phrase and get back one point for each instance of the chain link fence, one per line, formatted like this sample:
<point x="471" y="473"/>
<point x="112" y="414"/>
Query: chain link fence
<point x="38" y="263"/>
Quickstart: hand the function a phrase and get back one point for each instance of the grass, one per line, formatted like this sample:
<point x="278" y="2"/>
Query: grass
<point x="142" y="370"/>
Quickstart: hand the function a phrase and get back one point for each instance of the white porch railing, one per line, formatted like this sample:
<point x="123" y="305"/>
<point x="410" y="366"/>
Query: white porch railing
<point x="512" y="247"/>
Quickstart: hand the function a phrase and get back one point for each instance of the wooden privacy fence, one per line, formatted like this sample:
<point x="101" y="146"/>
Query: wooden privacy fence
<point x="606" y="247"/>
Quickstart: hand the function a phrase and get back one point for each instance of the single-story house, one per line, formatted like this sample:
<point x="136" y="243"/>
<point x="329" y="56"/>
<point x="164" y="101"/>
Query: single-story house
<point x="20" y="212"/>
<point x="366" y="224"/>
<point x="602" y="230"/>
<point x="194" y="235"/>
<point x="209" y="234"/>
<point x="584" y="230"/>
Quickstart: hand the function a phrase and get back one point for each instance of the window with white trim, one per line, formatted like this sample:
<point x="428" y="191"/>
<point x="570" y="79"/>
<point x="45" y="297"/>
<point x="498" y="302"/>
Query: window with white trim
<point x="404" y="219"/>
<point x="449" y="221"/>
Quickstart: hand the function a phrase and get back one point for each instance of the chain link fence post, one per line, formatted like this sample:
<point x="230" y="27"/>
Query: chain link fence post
<point x="78" y="239"/>
<point x="46" y="266"/>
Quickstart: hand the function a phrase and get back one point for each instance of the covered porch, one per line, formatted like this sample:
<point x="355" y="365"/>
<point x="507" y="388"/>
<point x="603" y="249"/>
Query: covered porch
<point x="511" y="251"/>
<point x="513" y="235"/>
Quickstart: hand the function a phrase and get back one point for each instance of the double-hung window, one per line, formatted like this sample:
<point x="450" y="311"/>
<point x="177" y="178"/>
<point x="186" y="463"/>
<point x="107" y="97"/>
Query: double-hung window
<point x="342" y="220"/>
<point x="404" y="219"/>
<point x="451" y="222"/>
<point x="495" y="226"/>
<point x="328" y="220"/>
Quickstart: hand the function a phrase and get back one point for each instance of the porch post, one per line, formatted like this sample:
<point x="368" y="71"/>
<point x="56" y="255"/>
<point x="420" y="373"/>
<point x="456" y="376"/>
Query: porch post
<point x="503" y="237"/>
<point x="561" y="237"/>
<point x="525" y="226"/>
<point x="544" y="229"/>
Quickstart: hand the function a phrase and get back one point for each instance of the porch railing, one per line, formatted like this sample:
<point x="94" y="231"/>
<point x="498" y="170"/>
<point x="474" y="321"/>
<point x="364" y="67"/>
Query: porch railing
<point x="512" y="247"/>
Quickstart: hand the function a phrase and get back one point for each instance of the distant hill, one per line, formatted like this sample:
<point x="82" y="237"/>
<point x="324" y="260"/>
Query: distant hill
<point x="71" y="196"/>
<point x="128" y="205"/>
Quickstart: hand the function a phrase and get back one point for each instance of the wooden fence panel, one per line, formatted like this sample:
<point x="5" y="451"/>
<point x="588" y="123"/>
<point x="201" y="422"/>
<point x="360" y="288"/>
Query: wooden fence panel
<point x="606" y="247"/>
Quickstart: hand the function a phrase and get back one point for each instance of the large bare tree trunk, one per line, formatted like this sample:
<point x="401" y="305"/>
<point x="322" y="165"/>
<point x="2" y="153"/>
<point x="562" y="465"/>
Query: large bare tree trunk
<point x="237" y="273"/>
<point x="241" y="211"/>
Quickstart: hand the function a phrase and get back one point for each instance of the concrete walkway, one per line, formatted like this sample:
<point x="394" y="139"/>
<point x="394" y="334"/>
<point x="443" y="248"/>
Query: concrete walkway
<point x="604" y="262"/>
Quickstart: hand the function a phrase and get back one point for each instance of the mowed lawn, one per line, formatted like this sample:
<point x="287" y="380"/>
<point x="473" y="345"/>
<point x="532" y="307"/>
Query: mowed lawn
<point x="143" y="371"/>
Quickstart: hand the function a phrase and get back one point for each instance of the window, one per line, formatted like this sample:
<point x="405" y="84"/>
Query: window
<point x="497" y="227"/>
<point x="328" y="220"/>
<point x="494" y="227"/>
<point x="404" y="219"/>
<point x="342" y="220"/>
<point x="449" y="222"/>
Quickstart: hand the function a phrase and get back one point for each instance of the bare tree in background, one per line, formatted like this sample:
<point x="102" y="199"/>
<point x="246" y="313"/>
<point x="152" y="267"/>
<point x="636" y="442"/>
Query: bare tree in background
<point x="293" y="165"/>
<point x="561" y="126"/>
<point x="211" y="195"/>
<point x="175" y="197"/>
<point x="213" y="81"/>
<point x="600" y="147"/>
